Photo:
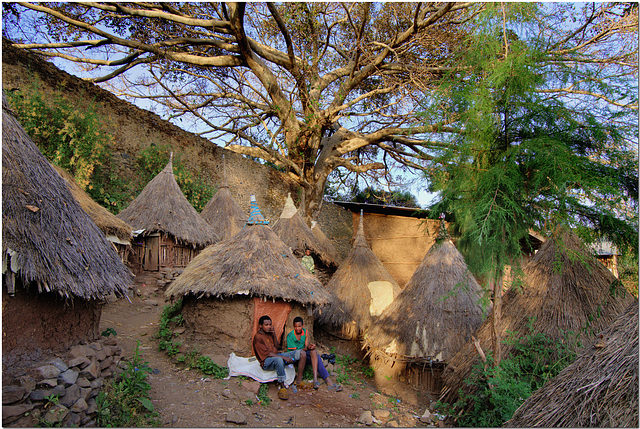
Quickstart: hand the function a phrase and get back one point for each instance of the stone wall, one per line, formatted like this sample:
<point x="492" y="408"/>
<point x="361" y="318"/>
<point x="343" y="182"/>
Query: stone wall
<point x="135" y="129"/>
<point x="75" y="377"/>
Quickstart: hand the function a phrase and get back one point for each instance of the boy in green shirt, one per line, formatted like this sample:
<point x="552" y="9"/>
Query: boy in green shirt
<point x="298" y="340"/>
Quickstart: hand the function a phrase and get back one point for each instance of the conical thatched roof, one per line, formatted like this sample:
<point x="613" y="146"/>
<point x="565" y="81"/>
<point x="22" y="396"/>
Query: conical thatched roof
<point x="47" y="238"/>
<point x="253" y="262"/>
<point x="222" y="212"/>
<point x="108" y="223"/>
<point x="436" y="313"/>
<point x="352" y="284"/>
<point x="295" y="233"/>
<point x="599" y="389"/>
<point x="162" y="207"/>
<point x="566" y="289"/>
<point x="331" y="251"/>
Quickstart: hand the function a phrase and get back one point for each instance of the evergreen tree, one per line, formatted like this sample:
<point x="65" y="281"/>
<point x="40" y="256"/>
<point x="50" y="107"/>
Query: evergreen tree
<point x="524" y="159"/>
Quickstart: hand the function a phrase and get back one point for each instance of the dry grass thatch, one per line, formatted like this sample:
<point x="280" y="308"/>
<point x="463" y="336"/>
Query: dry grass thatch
<point x="599" y="389"/>
<point x="162" y="207"/>
<point x="47" y="238"/>
<point x="108" y="223"/>
<point x="224" y="214"/>
<point x="350" y="287"/>
<point x="436" y="313"/>
<point x="254" y="262"/>
<point x="295" y="233"/>
<point x="565" y="289"/>
<point x="330" y="251"/>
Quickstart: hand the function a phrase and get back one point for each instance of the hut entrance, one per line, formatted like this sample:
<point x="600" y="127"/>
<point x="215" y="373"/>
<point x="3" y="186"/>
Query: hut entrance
<point x="152" y="255"/>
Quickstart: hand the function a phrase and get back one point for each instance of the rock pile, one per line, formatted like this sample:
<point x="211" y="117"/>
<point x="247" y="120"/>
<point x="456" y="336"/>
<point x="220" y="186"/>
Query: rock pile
<point x="62" y="391"/>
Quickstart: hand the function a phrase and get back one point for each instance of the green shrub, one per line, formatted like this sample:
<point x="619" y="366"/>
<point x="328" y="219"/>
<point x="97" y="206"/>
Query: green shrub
<point x="500" y="390"/>
<point x="125" y="401"/>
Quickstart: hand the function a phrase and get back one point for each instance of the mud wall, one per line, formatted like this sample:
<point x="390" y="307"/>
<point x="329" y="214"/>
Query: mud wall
<point x="399" y="242"/>
<point x="218" y="327"/>
<point x="135" y="129"/>
<point x="35" y="324"/>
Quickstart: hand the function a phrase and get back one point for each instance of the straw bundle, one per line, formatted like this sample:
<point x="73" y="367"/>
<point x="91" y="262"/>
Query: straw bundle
<point x="162" y="207"/>
<point x="566" y="289"/>
<point x="599" y="389"/>
<point x="349" y="286"/>
<point x="108" y="223"/>
<point x="254" y="262"/>
<point x="47" y="238"/>
<point x="295" y="233"/>
<point x="435" y="314"/>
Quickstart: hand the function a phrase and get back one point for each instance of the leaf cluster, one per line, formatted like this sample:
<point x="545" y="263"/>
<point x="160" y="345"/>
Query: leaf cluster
<point x="522" y="160"/>
<point x="500" y="390"/>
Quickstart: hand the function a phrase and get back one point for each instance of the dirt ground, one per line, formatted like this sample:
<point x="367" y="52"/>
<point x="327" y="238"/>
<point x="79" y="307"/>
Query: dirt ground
<point x="187" y="398"/>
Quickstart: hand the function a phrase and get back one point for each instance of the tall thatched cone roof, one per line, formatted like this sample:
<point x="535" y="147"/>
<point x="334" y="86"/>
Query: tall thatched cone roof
<point x="47" y="238"/>
<point x="108" y="223"/>
<point x="162" y="207"/>
<point x="599" y="389"/>
<point x="223" y="213"/>
<point x="331" y="251"/>
<point x="565" y="289"/>
<point x="436" y="313"/>
<point x="295" y="233"/>
<point x="361" y="288"/>
<point x="253" y="262"/>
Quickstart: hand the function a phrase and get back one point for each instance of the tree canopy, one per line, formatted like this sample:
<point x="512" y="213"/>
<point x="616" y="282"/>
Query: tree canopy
<point x="317" y="87"/>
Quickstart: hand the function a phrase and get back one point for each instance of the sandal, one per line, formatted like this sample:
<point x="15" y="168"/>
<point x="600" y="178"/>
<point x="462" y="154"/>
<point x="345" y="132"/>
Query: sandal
<point x="335" y="388"/>
<point x="283" y="393"/>
<point x="316" y="385"/>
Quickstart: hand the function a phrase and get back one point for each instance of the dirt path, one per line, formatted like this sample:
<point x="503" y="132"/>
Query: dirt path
<point x="186" y="398"/>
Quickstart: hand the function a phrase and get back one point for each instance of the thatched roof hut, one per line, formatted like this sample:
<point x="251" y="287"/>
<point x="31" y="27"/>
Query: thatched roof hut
<point x="48" y="240"/>
<point x="162" y="207"/>
<point x="223" y="213"/>
<point x="565" y="289"/>
<point x="56" y="264"/>
<point x="435" y="314"/>
<point x="361" y="289"/>
<point x="599" y="389"/>
<point x="227" y="283"/>
<point x="295" y="233"/>
<point x="254" y="262"/>
<point x="114" y="229"/>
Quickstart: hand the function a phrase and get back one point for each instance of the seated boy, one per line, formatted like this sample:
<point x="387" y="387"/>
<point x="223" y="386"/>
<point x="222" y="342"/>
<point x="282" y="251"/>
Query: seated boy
<point x="298" y="340"/>
<point x="265" y="346"/>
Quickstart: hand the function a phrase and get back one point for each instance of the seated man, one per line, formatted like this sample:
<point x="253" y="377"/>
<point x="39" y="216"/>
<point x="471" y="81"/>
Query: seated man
<point x="298" y="340"/>
<point x="265" y="346"/>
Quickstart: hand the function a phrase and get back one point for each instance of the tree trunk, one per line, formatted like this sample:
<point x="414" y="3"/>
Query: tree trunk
<point x="495" y="320"/>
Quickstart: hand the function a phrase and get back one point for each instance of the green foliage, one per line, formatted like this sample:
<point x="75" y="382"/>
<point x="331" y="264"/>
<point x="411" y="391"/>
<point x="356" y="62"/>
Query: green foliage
<point x="109" y="331"/>
<point x="72" y="137"/>
<point x="522" y="160"/>
<point x="263" y="394"/>
<point x="125" y="402"/>
<point x="209" y="367"/>
<point x="535" y="359"/>
<point x="154" y="158"/>
<point x="628" y="273"/>
<point x="380" y="196"/>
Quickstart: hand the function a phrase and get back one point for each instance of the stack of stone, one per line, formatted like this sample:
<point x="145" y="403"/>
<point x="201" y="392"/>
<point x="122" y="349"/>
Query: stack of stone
<point x="62" y="391"/>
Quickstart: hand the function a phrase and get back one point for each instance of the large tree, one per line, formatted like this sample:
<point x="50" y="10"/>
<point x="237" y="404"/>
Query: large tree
<point x="307" y="87"/>
<point x="522" y="157"/>
<point x="310" y="88"/>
